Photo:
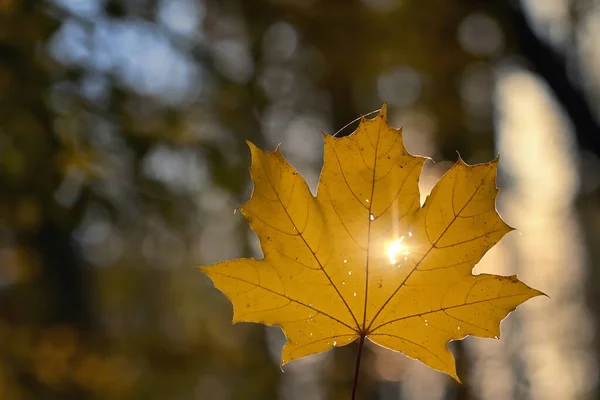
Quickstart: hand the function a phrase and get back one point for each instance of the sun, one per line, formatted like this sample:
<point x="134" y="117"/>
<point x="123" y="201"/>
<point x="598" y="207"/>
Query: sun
<point x="397" y="250"/>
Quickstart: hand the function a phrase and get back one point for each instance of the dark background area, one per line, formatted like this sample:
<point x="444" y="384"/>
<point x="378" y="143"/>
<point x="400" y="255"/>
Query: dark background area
<point x="122" y="157"/>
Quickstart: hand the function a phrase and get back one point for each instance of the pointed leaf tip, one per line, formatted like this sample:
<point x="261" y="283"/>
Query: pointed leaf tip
<point x="383" y="112"/>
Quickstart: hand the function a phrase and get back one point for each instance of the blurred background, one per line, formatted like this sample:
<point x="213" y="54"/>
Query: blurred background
<point x="122" y="159"/>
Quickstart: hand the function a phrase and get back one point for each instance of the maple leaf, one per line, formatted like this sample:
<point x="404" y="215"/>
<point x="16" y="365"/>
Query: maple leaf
<point x="363" y="259"/>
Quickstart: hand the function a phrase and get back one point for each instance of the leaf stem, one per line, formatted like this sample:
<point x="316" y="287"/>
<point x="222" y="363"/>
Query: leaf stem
<point x="357" y="369"/>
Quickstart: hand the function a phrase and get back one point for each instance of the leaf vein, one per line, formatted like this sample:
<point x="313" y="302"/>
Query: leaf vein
<point x="317" y="341"/>
<point x="288" y="298"/>
<point x="411" y="342"/>
<point x="428" y="251"/>
<point x="442" y="309"/>
<point x="312" y="252"/>
<point x="346" y="180"/>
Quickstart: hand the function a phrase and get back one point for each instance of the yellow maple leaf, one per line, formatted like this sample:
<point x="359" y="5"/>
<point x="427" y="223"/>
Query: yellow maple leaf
<point x="363" y="259"/>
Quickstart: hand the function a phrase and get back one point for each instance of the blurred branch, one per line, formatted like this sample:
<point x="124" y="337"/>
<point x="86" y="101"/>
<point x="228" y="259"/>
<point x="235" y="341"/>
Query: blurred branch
<point x="552" y="67"/>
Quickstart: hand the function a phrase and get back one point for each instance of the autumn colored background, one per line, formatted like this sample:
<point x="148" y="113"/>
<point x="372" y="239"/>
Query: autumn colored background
<point x="122" y="159"/>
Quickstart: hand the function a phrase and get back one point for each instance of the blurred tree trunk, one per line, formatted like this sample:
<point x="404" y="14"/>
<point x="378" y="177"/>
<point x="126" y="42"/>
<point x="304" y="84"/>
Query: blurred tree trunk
<point x="552" y="67"/>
